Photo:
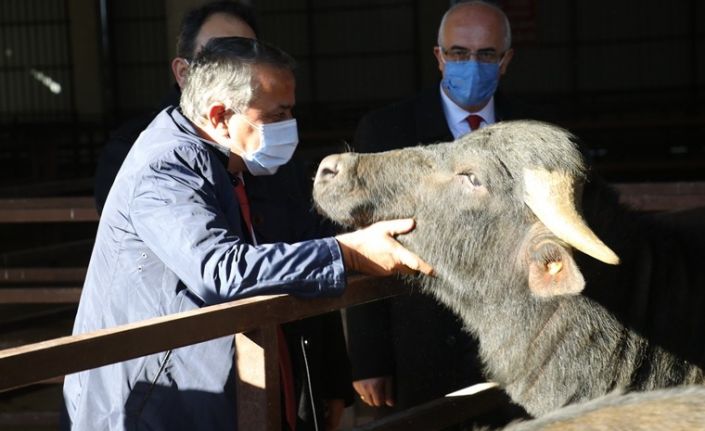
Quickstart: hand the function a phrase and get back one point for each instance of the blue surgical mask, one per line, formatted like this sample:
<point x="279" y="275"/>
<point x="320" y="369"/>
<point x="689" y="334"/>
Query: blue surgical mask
<point x="277" y="144"/>
<point x="470" y="83"/>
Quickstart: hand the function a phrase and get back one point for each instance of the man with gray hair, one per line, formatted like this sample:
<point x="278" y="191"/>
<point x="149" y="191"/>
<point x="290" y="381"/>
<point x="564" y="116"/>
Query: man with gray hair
<point x="175" y="234"/>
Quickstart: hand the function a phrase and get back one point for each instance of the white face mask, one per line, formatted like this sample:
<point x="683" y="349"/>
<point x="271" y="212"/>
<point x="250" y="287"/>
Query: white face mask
<point x="277" y="144"/>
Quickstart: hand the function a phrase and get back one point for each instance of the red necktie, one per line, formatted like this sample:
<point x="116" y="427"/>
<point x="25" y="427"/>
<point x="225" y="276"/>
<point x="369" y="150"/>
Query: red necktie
<point x="241" y="197"/>
<point x="474" y="121"/>
<point x="285" y="371"/>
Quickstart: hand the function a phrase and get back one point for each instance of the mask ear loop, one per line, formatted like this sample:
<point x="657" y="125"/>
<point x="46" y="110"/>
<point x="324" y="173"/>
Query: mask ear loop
<point x="244" y="117"/>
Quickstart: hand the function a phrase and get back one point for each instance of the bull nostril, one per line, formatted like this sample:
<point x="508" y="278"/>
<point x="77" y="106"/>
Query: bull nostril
<point x="328" y="168"/>
<point x="328" y="172"/>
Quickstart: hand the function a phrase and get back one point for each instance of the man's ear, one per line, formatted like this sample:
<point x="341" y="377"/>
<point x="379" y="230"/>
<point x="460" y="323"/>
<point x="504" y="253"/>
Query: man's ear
<point x="506" y="60"/>
<point x="179" y="67"/>
<point x="551" y="268"/>
<point x="217" y="119"/>
<point x="439" y="59"/>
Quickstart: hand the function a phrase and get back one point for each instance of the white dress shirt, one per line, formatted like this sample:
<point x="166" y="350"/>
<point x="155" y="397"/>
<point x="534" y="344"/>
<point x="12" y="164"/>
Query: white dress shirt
<point x="456" y="117"/>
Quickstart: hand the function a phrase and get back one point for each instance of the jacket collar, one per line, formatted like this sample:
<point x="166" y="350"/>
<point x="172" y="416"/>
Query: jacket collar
<point x="186" y="126"/>
<point x="431" y="124"/>
<point x="502" y="107"/>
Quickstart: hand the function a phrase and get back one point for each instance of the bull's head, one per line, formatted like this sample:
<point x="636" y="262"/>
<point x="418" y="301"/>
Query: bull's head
<point x="507" y="193"/>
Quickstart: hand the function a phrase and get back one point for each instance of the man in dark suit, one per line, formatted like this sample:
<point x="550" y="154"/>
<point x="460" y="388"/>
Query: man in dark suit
<point x="410" y="349"/>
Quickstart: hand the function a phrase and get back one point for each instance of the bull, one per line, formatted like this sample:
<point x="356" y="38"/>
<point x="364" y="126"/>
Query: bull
<point x="498" y="216"/>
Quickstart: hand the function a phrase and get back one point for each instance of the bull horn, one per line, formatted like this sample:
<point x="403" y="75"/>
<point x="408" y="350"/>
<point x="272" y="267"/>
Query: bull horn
<point x="545" y="193"/>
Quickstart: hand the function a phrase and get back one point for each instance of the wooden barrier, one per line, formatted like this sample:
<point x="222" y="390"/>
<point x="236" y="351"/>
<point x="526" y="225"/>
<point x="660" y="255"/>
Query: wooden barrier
<point x="43" y="210"/>
<point x="662" y="196"/>
<point x="37" y="362"/>
<point x="442" y="413"/>
<point x="40" y="361"/>
<point x="254" y="320"/>
<point x="41" y="285"/>
<point x="72" y="187"/>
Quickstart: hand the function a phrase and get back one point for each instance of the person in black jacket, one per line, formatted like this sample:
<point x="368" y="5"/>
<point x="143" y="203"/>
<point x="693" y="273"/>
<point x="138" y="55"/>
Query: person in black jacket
<point x="215" y="19"/>
<point x="410" y="349"/>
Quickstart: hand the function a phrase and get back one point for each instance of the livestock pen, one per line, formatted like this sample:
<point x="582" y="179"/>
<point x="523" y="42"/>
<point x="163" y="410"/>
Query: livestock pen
<point x="253" y="320"/>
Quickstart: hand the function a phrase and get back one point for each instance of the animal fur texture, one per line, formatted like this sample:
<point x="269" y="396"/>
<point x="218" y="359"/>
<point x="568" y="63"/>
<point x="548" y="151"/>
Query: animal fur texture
<point x="675" y="409"/>
<point x="512" y="281"/>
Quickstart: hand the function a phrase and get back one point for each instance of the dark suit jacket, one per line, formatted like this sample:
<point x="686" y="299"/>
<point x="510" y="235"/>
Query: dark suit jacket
<point x="412" y="337"/>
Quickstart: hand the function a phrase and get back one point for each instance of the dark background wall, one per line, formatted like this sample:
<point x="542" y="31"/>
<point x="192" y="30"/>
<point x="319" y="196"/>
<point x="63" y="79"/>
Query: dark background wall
<point x="627" y="76"/>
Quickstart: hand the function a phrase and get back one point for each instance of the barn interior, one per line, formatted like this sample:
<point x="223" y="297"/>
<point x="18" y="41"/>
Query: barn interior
<point x="627" y="77"/>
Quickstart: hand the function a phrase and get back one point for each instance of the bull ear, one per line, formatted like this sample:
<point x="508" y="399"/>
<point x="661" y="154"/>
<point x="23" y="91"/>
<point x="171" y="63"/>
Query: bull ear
<point x="552" y="270"/>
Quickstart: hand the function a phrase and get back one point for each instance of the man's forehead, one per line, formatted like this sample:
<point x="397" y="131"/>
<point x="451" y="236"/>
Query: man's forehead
<point x="275" y="86"/>
<point x="473" y="25"/>
<point x="269" y="75"/>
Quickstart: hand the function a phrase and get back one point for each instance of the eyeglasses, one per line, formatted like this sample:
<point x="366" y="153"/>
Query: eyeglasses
<point x="481" y="55"/>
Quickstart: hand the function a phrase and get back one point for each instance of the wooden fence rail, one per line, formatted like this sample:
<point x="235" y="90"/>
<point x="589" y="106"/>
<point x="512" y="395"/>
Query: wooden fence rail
<point x="43" y="210"/>
<point x="41" y="285"/>
<point x="662" y="196"/>
<point x="39" y="361"/>
<point x="257" y="316"/>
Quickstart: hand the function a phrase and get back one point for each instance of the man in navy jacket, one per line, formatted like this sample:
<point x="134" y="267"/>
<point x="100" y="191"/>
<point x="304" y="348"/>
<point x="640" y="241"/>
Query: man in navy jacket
<point x="172" y="237"/>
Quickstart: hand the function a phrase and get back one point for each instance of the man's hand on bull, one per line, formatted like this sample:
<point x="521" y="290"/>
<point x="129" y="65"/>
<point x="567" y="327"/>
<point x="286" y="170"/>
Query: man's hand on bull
<point x="374" y="251"/>
<point x="376" y="391"/>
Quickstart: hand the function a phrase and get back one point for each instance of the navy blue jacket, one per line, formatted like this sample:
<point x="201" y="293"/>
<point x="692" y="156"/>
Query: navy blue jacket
<point x="171" y="239"/>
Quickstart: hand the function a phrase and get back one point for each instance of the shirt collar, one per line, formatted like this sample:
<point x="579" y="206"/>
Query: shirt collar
<point x="456" y="116"/>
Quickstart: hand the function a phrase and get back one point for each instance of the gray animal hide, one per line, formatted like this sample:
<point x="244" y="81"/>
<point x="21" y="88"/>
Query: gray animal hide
<point x="544" y="343"/>
<point x="679" y="409"/>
